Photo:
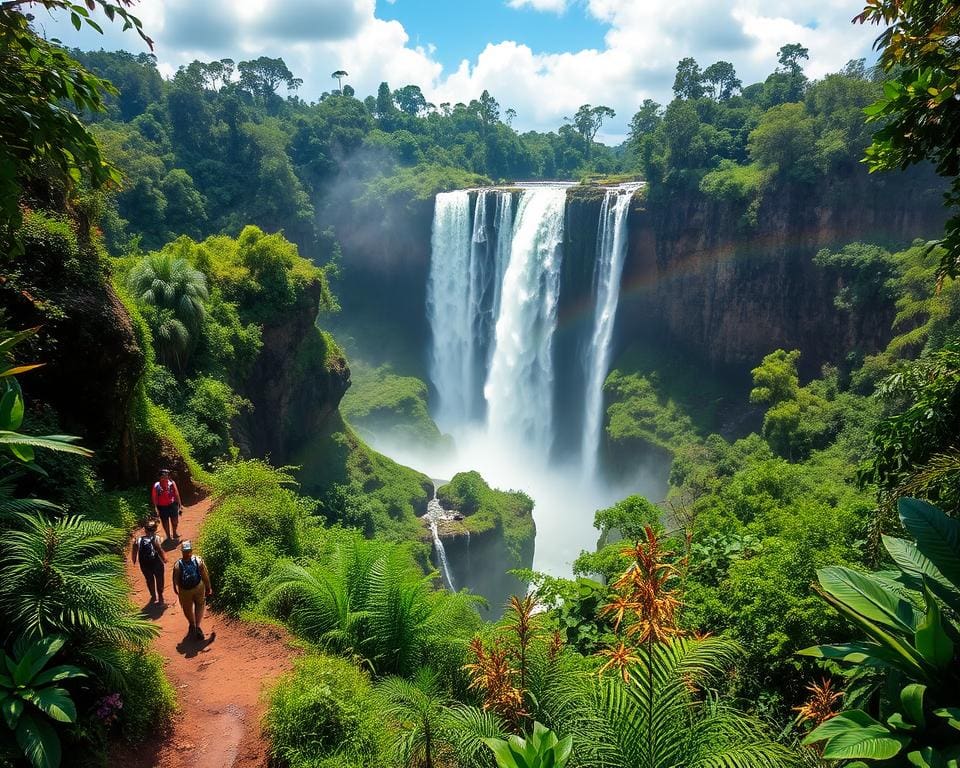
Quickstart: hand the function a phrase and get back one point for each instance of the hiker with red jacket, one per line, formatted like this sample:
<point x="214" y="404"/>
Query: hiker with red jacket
<point x="147" y="551"/>
<point x="166" y="503"/>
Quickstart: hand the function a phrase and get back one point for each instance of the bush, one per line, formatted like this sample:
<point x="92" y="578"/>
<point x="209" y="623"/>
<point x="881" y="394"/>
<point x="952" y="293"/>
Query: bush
<point x="323" y="714"/>
<point x="148" y="696"/>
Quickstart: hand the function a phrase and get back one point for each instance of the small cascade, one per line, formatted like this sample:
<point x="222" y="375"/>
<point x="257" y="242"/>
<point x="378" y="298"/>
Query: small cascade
<point x="608" y="269"/>
<point x="434" y="515"/>
<point x="519" y="387"/>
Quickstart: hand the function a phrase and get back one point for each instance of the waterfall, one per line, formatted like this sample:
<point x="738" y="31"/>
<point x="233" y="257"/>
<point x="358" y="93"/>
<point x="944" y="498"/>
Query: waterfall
<point x="434" y="515"/>
<point x="450" y="311"/>
<point x="608" y="268"/>
<point x="519" y="387"/>
<point x="503" y="226"/>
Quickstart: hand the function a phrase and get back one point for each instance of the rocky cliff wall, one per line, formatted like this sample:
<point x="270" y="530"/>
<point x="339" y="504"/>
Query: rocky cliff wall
<point x="295" y="386"/>
<point x="699" y="278"/>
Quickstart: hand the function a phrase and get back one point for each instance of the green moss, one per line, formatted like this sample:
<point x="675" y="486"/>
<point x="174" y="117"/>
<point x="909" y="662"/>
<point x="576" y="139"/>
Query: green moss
<point x="391" y="406"/>
<point x="485" y="509"/>
<point x="361" y="488"/>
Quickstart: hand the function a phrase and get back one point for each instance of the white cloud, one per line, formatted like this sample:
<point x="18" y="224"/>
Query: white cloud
<point x="551" y="6"/>
<point x="642" y="45"/>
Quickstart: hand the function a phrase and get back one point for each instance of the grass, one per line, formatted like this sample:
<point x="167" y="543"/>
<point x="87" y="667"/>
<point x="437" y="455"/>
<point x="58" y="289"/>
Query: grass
<point x="381" y="402"/>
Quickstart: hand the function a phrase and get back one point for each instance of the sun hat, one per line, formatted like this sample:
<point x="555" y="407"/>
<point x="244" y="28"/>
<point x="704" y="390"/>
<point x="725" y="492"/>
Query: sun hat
<point x="186" y="546"/>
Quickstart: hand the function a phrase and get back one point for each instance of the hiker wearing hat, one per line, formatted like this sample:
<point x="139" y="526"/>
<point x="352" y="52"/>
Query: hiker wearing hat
<point x="147" y="551"/>
<point x="191" y="582"/>
<point x="166" y="503"/>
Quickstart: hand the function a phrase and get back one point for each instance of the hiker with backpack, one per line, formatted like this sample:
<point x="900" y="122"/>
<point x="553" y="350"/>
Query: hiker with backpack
<point x="149" y="554"/>
<point x="191" y="582"/>
<point x="165" y="497"/>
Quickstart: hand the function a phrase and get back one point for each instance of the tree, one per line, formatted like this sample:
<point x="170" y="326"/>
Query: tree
<point x="338" y="76"/>
<point x="688" y="83"/>
<point x="262" y="76"/>
<point x="416" y="708"/>
<point x="386" y="108"/>
<point x="588" y="120"/>
<point x="510" y="115"/>
<point x="36" y="79"/>
<point x="785" y="139"/>
<point x="410" y="99"/>
<point x="789" y="57"/>
<point x="177" y="292"/>
<point x="645" y="120"/>
<point x="918" y="111"/>
<point x="723" y="80"/>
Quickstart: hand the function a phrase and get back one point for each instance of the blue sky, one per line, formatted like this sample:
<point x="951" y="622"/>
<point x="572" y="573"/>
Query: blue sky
<point x="464" y="27"/>
<point x="543" y="58"/>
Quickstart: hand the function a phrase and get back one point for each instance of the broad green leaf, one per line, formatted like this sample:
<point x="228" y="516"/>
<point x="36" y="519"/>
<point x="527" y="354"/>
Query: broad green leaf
<point x="55" y="702"/>
<point x="931" y="638"/>
<point x="950" y="714"/>
<point x="845" y="721"/>
<point x="563" y="750"/>
<point x="862" y="654"/>
<point x="26" y="443"/>
<point x="911" y="699"/>
<point x="872" y="743"/>
<point x="501" y="753"/>
<point x="12" y="708"/>
<point x="938" y="536"/>
<point x="38" y="741"/>
<point x="915" y="566"/>
<point x="898" y="722"/>
<point x="58" y="673"/>
<point x="872" y="600"/>
<point x="908" y="658"/>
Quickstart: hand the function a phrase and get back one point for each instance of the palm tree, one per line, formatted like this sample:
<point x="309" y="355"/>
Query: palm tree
<point x="176" y="292"/>
<point x="369" y="599"/>
<point x="665" y="714"/>
<point x="339" y="75"/>
<point x="416" y="708"/>
<point x="62" y="577"/>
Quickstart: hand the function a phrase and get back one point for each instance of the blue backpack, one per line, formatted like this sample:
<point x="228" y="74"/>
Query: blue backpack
<point x="189" y="573"/>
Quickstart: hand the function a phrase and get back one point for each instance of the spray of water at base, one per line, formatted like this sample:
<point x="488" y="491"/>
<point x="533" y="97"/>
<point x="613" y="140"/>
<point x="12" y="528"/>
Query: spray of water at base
<point x="564" y="502"/>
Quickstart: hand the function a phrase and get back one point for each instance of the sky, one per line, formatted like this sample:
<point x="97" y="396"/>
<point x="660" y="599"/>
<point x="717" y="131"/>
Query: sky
<point x="543" y="58"/>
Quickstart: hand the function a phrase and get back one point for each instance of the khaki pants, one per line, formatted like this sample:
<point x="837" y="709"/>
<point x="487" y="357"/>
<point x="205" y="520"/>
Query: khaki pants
<point x="191" y="599"/>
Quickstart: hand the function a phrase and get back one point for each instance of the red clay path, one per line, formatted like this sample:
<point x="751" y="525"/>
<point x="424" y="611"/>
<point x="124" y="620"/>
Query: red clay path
<point x="219" y="682"/>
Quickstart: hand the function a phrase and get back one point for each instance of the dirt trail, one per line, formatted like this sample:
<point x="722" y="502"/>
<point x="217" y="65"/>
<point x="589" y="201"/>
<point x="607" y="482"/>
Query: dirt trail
<point x="218" y="681"/>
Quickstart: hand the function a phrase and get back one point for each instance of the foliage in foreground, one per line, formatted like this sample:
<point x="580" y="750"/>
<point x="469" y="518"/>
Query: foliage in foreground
<point x="905" y="672"/>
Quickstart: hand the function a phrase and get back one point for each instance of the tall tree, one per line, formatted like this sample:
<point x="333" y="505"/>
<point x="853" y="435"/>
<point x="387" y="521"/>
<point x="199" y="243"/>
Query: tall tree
<point x="338" y="76"/>
<point x="410" y="99"/>
<point x="688" y="83"/>
<point x="262" y="76"/>
<point x="588" y="121"/>
<point x="723" y="80"/>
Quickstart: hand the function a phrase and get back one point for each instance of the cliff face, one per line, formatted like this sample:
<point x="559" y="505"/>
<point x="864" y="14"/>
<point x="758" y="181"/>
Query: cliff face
<point x="698" y="278"/>
<point x="295" y="386"/>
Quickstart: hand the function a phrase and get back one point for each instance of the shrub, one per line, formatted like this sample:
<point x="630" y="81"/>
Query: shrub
<point x="147" y="695"/>
<point x="323" y="714"/>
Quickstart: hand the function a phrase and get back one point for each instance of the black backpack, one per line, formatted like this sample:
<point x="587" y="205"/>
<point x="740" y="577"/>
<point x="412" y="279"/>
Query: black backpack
<point x="148" y="550"/>
<point x="189" y="573"/>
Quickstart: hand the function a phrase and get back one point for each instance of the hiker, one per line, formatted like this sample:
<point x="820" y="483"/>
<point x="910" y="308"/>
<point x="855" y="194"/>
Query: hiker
<point x="147" y="551"/>
<point x="191" y="582"/>
<point x="166" y="503"/>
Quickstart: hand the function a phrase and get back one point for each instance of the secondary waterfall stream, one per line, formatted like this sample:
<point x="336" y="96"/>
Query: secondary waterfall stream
<point x="434" y="516"/>
<point x="608" y="269"/>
